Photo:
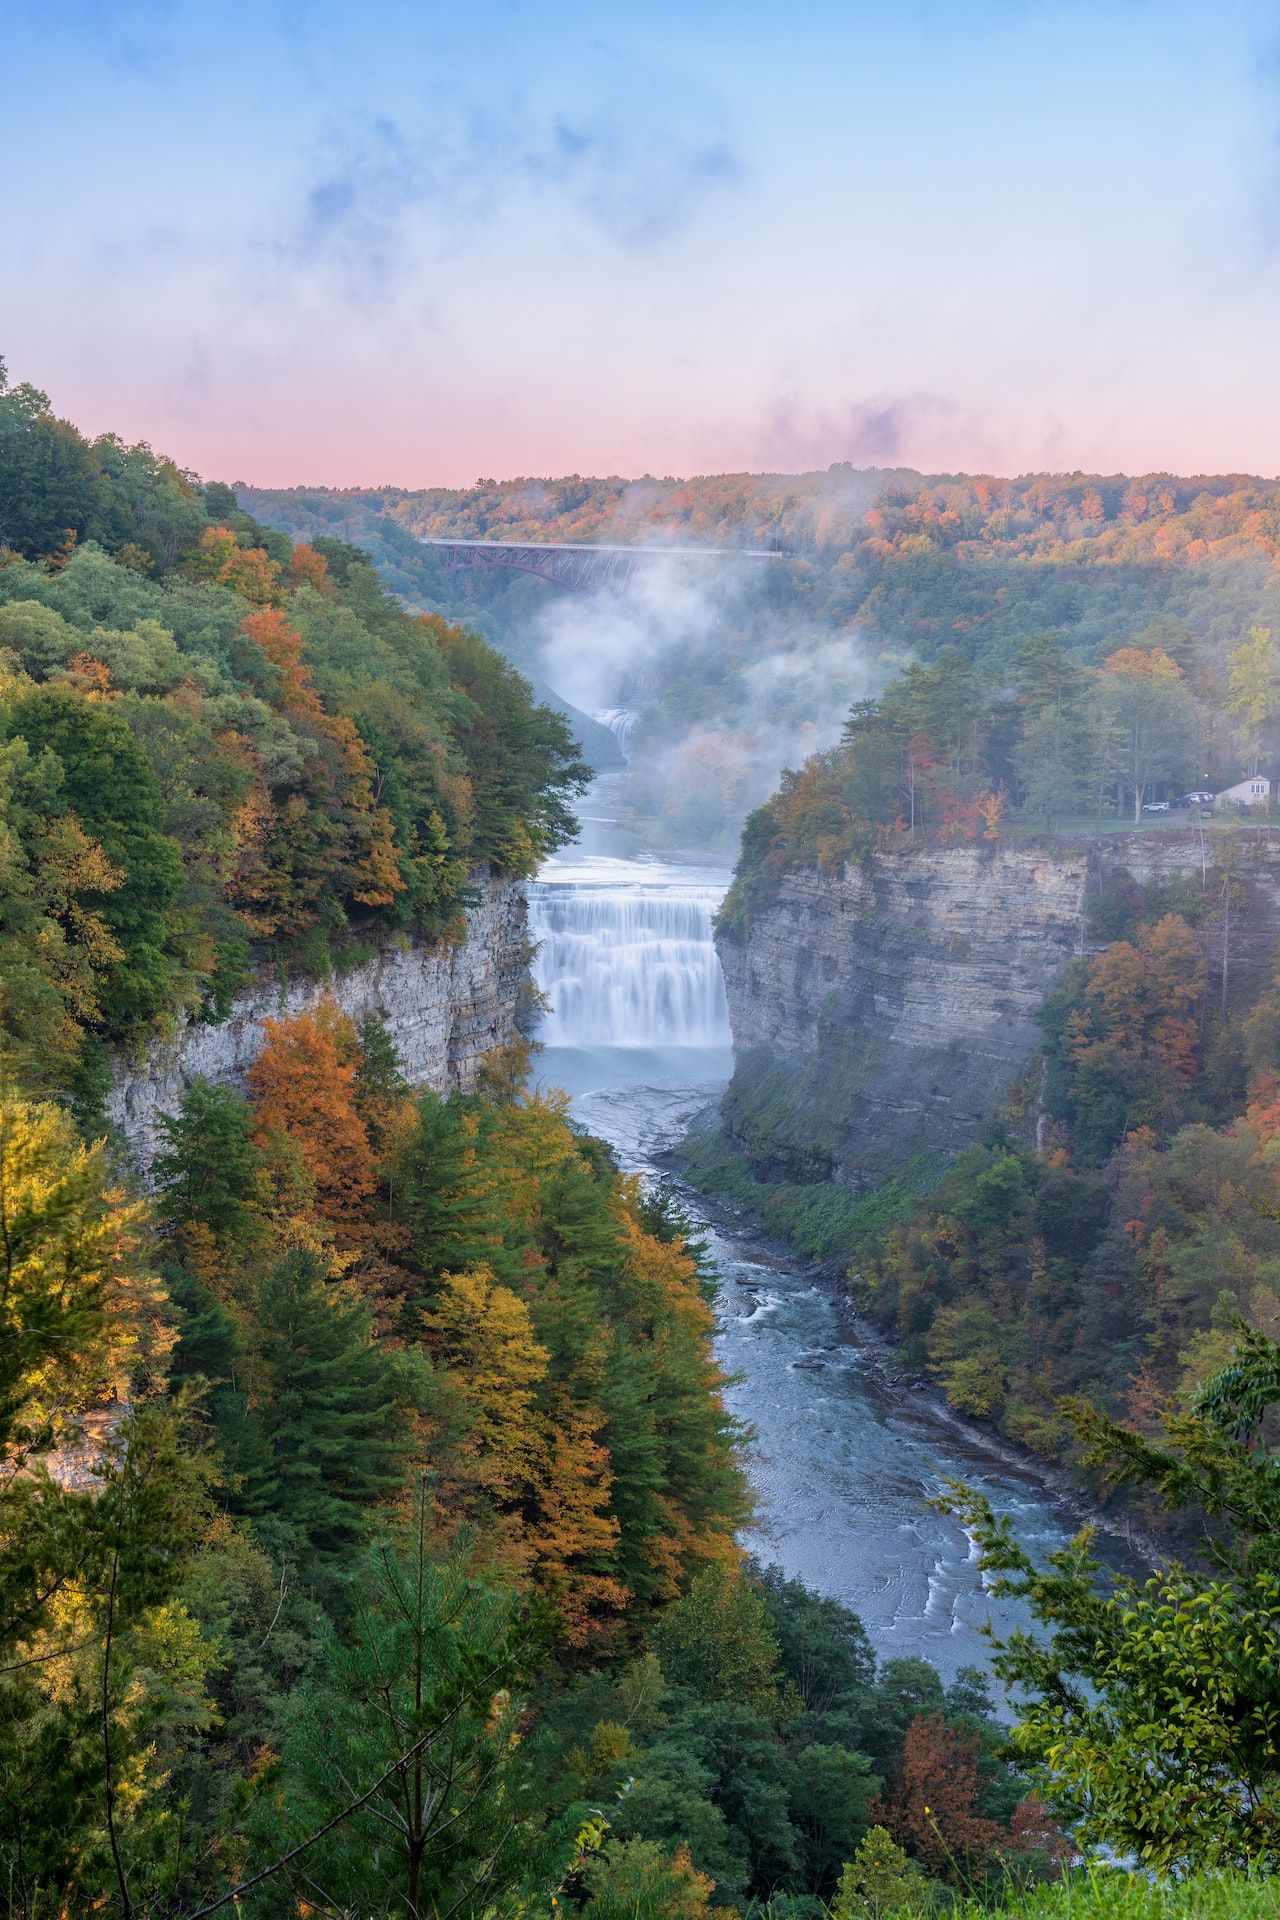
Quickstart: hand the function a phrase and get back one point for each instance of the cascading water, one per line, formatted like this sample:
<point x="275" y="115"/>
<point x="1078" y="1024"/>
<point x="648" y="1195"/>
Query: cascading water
<point x="844" y="1463"/>
<point x="621" y="724"/>
<point x="626" y="957"/>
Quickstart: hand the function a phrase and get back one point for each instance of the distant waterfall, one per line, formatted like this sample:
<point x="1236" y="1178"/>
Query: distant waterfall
<point x="621" y="724"/>
<point x="629" y="965"/>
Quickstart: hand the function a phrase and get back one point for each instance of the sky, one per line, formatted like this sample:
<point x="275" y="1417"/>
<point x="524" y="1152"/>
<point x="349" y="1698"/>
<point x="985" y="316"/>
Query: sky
<point x="413" y="244"/>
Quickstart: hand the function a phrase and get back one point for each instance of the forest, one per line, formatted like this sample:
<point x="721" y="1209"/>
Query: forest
<point x="1114" y="1254"/>
<point x="883" y="569"/>
<point x="220" y="751"/>
<point x="369" y="1509"/>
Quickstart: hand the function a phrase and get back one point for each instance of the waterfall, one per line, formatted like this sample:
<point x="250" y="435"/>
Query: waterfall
<point x="629" y="964"/>
<point x="621" y="724"/>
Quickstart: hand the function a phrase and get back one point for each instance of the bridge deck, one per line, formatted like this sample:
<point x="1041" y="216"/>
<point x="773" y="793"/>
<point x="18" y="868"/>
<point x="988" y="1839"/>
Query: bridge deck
<point x="587" y="546"/>
<point x="578" y="565"/>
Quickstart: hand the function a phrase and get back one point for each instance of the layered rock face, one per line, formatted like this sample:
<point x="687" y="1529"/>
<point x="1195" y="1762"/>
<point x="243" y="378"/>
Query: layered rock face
<point x="883" y="1014"/>
<point x="444" y="1007"/>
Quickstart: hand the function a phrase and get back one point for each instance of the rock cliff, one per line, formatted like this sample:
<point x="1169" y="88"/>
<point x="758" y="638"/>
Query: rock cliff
<point x="445" y="1007"/>
<point x="882" y="1014"/>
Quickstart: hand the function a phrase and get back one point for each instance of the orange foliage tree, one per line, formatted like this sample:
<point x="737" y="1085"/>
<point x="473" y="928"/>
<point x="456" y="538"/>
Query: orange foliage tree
<point x="1140" y="1002"/>
<point x="303" y="1086"/>
<point x="324" y="826"/>
<point x="248" y="571"/>
<point x="931" y="1807"/>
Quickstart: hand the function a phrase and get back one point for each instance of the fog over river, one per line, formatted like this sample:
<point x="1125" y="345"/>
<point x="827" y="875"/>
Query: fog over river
<point x="843" y="1461"/>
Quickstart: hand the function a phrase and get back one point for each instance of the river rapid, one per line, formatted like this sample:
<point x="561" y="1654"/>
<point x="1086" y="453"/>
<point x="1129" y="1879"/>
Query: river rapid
<point x="844" y="1461"/>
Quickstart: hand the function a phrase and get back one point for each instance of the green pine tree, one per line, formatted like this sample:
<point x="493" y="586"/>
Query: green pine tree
<point x="210" y="1173"/>
<point x="416" y="1703"/>
<point x="331" y="1412"/>
<point x="449" y="1194"/>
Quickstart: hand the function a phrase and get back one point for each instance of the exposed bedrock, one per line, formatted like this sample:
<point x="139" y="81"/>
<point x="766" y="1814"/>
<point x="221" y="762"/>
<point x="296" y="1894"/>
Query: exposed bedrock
<point x="884" y="1013"/>
<point x="444" y="1007"/>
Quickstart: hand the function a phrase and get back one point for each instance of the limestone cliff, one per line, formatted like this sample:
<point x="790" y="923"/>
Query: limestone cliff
<point x="883" y="1013"/>
<point x="444" y="1007"/>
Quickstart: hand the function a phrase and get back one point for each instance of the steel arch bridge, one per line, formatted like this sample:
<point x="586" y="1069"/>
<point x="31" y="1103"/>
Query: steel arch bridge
<point x="575" y="566"/>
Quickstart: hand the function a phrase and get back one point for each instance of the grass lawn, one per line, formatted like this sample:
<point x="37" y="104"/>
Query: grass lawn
<point x="1106" y="1894"/>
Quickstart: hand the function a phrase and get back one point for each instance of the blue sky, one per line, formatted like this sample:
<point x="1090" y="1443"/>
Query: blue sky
<point x="419" y="244"/>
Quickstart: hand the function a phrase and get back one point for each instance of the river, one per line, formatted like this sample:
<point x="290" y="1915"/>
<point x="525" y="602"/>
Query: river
<point x="844" y="1461"/>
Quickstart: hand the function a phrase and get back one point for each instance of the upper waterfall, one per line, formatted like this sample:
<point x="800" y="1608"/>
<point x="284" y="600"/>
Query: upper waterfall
<point x="625" y="955"/>
<point x="621" y="724"/>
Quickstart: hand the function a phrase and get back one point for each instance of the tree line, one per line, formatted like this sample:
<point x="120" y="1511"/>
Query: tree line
<point x="883" y="568"/>
<point x="368" y="1503"/>
<point x="946" y="756"/>
<point x="219" y="750"/>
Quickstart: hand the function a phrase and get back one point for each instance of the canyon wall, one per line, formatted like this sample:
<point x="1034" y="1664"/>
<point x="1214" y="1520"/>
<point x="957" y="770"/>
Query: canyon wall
<point x="444" y="1007"/>
<point x="883" y="1013"/>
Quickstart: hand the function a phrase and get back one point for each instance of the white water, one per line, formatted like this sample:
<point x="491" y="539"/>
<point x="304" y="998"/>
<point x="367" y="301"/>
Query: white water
<point x="625" y="957"/>
<point x="621" y="724"/>
<point x="845" y="1463"/>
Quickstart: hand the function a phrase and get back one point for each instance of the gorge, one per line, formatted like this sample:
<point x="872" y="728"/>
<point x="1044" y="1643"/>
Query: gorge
<point x="876" y="1015"/>
<point x="881" y="1013"/>
<point x="845" y="1461"/>
<point x="445" y="1005"/>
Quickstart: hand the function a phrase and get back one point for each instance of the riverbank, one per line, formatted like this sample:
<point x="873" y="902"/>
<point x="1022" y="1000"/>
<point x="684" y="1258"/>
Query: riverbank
<point x="846" y="1460"/>
<point x="826" y="1234"/>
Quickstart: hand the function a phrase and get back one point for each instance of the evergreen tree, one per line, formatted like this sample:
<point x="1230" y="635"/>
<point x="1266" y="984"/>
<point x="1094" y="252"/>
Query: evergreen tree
<point x="415" y="1709"/>
<point x="450" y="1195"/>
<point x="330" y="1409"/>
<point x="210" y="1173"/>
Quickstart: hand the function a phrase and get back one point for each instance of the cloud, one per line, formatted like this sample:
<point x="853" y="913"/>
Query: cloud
<point x="885" y="431"/>
<point x="354" y="212"/>
<point x="760" y="714"/>
<point x="637" y="180"/>
<point x="609" y="648"/>
<point x="637" y="165"/>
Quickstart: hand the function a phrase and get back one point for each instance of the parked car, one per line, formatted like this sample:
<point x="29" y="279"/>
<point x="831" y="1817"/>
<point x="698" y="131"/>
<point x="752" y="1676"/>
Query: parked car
<point x="1198" y="800"/>
<point x="1155" y="806"/>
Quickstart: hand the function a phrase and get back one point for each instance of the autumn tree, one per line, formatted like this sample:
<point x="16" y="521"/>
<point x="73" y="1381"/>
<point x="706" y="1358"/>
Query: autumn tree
<point x="481" y="1335"/>
<point x="1253" y="688"/>
<point x="1152" y="719"/>
<point x="302" y="1085"/>
<point x="249" y="571"/>
<point x="932" y="1802"/>
<point x="1123" y="1034"/>
<point x="572" y="1533"/>
<point x="100" y="1502"/>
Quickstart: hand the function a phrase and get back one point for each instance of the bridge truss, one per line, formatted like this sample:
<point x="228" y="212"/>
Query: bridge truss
<point x="577" y="567"/>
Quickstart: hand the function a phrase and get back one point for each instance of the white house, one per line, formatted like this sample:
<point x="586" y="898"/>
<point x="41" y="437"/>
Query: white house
<point x="1253" y="792"/>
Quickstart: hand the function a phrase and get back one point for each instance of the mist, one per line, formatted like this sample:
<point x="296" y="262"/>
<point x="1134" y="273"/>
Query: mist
<point x="730" y="683"/>
<point x="614" y="647"/>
